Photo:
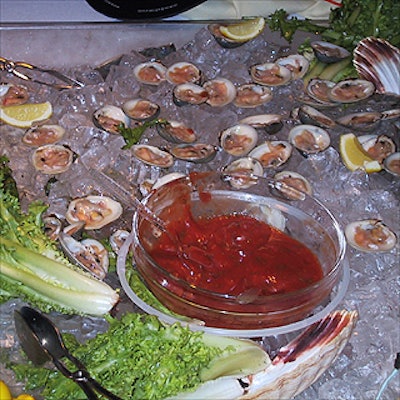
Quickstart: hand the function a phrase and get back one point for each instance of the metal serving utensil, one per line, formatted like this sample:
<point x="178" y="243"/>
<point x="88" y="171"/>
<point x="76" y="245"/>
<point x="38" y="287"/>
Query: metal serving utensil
<point x="18" y="68"/>
<point x="41" y="341"/>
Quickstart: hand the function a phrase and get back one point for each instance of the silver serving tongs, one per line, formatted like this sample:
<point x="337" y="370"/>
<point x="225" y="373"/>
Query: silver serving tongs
<point x="18" y="68"/>
<point x="42" y="341"/>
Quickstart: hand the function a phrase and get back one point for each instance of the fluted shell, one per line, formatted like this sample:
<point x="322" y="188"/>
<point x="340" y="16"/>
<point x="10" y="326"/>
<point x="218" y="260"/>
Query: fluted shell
<point x="296" y="367"/>
<point x="378" y="61"/>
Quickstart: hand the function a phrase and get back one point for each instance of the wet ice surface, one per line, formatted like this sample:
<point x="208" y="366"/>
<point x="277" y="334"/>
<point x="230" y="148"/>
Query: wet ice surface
<point x="374" y="289"/>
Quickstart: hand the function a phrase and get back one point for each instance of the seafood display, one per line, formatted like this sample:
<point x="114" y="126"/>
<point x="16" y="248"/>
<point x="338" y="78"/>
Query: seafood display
<point x="255" y="118"/>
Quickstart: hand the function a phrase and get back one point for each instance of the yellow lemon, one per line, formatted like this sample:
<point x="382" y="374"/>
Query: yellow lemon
<point x="354" y="156"/>
<point x="24" y="115"/>
<point x="24" y="397"/>
<point x="243" y="31"/>
<point x="5" y="393"/>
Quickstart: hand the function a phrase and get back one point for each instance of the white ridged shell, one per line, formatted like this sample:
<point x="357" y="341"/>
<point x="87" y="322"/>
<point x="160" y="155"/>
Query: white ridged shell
<point x="377" y="61"/>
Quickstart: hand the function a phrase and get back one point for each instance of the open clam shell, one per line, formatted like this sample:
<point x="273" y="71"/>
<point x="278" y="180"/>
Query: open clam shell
<point x="12" y="95"/>
<point x="378" y="61"/>
<point x="318" y="89"/>
<point x="152" y="155"/>
<point x="272" y="154"/>
<point x="109" y="118"/>
<point x="195" y="153"/>
<point x="94" y="211"/>
<point x="52" y="159"/>
<point x="370" y="235"/>
<point x="176" y="132"/>
<point x="351" y="90"/>
<point x="392" y="164"/>
<point x="270" y="74"/>
<point x="150" y="73"/>
<point x="243" y="170"/>
<point x="141" y="109"/>
<point x="309" y="139"/>
<point x="269" y="123"/>
<point x="221" y="91"/>
<point x="312" y="116"/>
<point x="252" y="95"/>
<point x="379" y="147"/>
<point x="363" y="121"/>
<point x="189" y="93"/>
<point x="183" y="72"/>
<point x="292" y="185"/>
<point x="328" y="52"/>
<point x="238" y="139"/>
<point x="296" y="63"/>
<point x="43" y="134"/>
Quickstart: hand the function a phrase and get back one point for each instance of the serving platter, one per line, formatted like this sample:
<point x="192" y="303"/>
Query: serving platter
<point x="349" y="195"/>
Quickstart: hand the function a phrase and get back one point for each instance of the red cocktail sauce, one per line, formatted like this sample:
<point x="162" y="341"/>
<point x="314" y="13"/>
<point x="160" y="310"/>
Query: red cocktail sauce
<point x="235" y="254"/>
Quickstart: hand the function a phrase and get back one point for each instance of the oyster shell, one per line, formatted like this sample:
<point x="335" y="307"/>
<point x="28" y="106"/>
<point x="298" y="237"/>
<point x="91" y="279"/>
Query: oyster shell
<point x="328" y="52"/>
<point x="196" y="153"/>
<point x="152" y="155"/>
<point x="243" y="171"/>
<point x="370" y="235"/>
<point x="363" y="121"/>
<point x="52" y="159"/>
<point x="238" y="139"/>
<point x="270" y="74"/>
<point x="109" y="118"/>
<point x="94" y="211"/>
<point x="292" y="185"/>
<point x="296" y="63"/>
<point x="378" y="147"/>
<point x="272" y="154"/>
<point x="392" y="164"/>
<point x="176" y="132"/>
<point x="252" y="95"/>
<point x="269" y="123"/>
<point x="189" y="93"/>
<point x="150" y="73"/>
<point x="183" y="72"/>
<point x="351" y="90"/>
<point x="141" y="109"/>
<point x="377" y="61"/>
<point x="220" y="91"/>
<point x="43" y="134"/>
<point x="309" y="139"/>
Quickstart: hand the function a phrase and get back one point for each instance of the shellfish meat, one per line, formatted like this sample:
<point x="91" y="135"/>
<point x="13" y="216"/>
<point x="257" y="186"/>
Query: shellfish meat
<point x="239" y="139"/>
<point x="309" y="139"/>
<point x="272" y="154"/>
<point x="52" y="159"/>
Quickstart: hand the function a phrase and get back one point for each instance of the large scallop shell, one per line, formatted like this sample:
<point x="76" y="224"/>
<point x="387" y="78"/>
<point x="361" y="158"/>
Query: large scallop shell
<point x="378" y="61"/>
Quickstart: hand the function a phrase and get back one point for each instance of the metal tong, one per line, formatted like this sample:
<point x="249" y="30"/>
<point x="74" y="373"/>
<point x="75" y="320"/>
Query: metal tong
<point x="42" y="341"/>
<point x="20" y="69"/>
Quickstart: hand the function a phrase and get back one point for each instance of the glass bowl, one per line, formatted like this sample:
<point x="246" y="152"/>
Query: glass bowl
<point x="208" y="195"/>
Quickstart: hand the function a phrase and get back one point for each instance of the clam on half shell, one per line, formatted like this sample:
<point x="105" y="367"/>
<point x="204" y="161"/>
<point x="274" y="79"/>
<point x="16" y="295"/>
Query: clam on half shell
<point x="378" y="61"/>
<point x="370" y="235"/>
<point x="94" y="211"/>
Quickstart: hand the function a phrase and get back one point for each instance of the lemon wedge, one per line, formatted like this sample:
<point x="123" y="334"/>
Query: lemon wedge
<point x="354" y="156"/>
<point x="24" y="115"/>
<point x="243" y="31"/>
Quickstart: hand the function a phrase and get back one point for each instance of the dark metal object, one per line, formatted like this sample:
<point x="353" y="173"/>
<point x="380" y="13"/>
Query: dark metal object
<point x="42" y="341"/>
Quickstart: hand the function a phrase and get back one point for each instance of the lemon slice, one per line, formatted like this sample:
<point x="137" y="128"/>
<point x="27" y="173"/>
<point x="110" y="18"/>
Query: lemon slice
<point x="354" y="156"/>
<point x="243" y="31"/>
<point x="24" y="115"/>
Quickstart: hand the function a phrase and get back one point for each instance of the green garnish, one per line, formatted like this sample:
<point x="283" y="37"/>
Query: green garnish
<point x="133" y="135"/>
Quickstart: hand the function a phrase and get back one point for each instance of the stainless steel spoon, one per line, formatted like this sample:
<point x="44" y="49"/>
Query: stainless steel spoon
<point x="41" y="341"/>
